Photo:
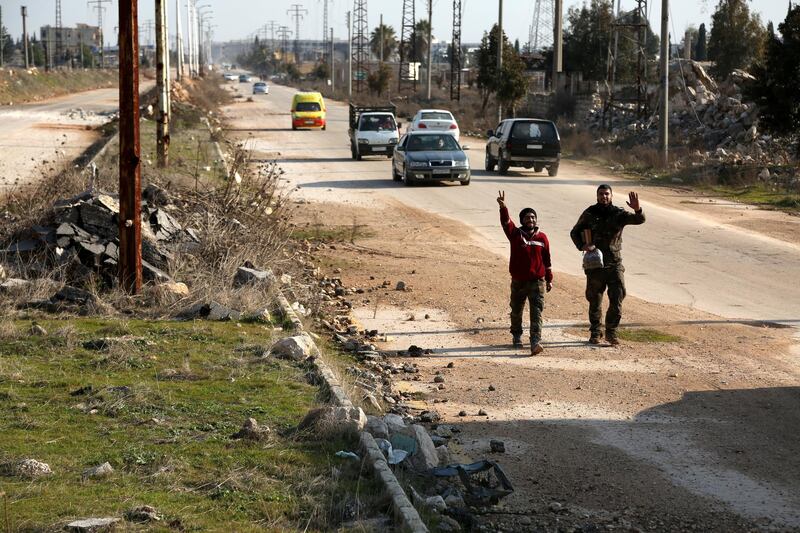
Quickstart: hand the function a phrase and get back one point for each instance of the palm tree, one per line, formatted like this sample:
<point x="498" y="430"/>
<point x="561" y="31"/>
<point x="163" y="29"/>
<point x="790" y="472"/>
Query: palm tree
<point x="420" y="38"/>
<point x="389" y="41"/>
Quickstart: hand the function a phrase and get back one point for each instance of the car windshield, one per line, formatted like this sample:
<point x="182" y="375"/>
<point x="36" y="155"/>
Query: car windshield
<point x="308" y="106"/>
<point x="432" y="143"/>
<point x="436" y="115"/>
<point x="260" y="84"/>
<point x="533" y="131"/>
<point x="377" y="123"/>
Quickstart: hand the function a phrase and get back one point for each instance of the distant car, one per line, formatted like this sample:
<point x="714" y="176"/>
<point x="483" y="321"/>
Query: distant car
<point x="244" y="78"/>
<point x="435" y="120"/>
<point x="524" y="142"/>
<point x="308" y="111"/>
<point x="229" y="77"/>
<point x="423" y="157"/>
<point x="260" y="87"/>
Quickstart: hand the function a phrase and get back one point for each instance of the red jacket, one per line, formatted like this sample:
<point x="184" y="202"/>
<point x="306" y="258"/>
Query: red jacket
<point x="530" y="253"/>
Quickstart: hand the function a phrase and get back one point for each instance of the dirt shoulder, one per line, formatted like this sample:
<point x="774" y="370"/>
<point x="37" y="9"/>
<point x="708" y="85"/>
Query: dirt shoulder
<point x="665" y="435"/>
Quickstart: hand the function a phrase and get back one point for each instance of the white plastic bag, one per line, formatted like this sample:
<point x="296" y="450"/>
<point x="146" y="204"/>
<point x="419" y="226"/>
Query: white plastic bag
<point x="593" y="259"/>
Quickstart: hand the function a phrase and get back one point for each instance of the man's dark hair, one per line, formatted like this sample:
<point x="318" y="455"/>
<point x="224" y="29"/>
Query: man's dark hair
<point x="603" y="187"/>
<point x="525" y="212"/>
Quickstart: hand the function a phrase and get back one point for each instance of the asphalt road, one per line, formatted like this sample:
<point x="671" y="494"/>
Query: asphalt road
<point x="676" y="257"/>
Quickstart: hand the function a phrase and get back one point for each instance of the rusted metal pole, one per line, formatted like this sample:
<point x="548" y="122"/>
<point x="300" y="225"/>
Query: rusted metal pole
<point x="162" y="84"/>
<point x="130" y="186"/>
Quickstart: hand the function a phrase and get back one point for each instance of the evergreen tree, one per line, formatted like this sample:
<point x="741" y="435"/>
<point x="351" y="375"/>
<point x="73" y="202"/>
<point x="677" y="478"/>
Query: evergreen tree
<point x="737" y="37"/>
<point x="701" y="47"/>
<point x="509" y="85"/>
<point x="778" y="78"/>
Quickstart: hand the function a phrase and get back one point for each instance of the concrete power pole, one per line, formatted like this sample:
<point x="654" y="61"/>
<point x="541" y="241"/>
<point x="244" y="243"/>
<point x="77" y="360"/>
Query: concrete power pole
<point x="430" y="47"/>
<point x="178" y="40"/>
<point x="162" y="84"/>
<point x="663" y="125"/>
<point x="349" y="55"/>
<point x="500" y="55"/>
<point x="380" y="28"/>
<point x="24" y="11"/>
<point x="558" y="43"/>
<point x="333" y="68"/>
<point x="130" y="154"/>
<point x="2" y="38"/>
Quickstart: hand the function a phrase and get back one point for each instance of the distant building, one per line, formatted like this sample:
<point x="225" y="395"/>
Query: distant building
<point x="70" y="39"/>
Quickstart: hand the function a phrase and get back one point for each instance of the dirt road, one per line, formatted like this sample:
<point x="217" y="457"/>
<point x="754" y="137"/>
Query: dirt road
<point x="42" y="137"/>
<point x="692" y="432"/>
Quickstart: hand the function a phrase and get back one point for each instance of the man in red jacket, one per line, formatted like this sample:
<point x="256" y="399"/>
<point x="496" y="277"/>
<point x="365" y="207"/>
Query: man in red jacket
<point x="530" y="270"/>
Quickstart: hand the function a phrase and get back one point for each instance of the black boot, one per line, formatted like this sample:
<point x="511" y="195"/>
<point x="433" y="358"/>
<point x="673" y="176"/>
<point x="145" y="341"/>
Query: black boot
<point x="516" y="340"/>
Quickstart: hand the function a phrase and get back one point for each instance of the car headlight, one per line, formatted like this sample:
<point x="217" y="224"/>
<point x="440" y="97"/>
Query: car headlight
<point x="392" y="141"/>
<point x="417" y="164"/>
<point x="461" y="164"/>
<point x="363" y="141"/>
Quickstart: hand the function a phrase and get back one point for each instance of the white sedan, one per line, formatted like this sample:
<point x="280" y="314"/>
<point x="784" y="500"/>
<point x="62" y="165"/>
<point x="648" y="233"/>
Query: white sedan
<point x="435" y="120"/>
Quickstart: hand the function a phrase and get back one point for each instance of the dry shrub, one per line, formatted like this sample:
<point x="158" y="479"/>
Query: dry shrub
<point x="9" y="331"/>
<point x="578" y="143"/>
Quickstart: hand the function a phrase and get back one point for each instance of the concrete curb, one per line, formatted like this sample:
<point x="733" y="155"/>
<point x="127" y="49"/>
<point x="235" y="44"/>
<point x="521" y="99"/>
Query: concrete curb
<point x="405" y="514"/>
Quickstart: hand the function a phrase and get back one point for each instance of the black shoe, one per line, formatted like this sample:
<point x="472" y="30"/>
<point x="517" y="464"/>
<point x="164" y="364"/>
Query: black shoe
<point x="517" y="341"/>
<point x="594" y="339"/>
<point x="536" y="348"/>
<point x="613" y="340"/>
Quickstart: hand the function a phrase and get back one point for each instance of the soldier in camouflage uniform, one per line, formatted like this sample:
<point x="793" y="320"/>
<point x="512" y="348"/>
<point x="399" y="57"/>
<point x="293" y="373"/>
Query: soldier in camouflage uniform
<point x="606" y="222"/>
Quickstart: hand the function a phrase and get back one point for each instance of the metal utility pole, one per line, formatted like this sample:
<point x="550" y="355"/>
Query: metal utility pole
<point x="333" y="67"/>
<point x="500" y="43"/>
<point x="178" y="40"/>
<point x="324" y="26"/>
<point x="408" y="49"/>
<point x="455" y="57"/>
<point x="130" y="186"/>
<point x="558" y="43"/>
<point x="190" y="37"/>
<point x="24" y="11"/>
<point x="162" y="84"/>
<point x="430" y="47"/>
<point x="283" y="34"/>
<point x="380" y="37"/>
<point x="663" y="124"/>
<point x="98" y="5"/>
<point x="540" y="34"/>
<point x="59" y="32"/>
<point x="296" y="12"/>
<point x="349" y="55"/>
<point x="2" y="38"/>
<point x="360" y="43"/>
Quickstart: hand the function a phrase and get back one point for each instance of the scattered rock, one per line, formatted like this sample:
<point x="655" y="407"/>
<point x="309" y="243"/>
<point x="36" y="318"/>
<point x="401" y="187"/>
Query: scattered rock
<point x="295" y="348"/>
<point x="438" y="379"/>
<point x="491" y="388"/>
<point x="401" y="286"/>
<point x="38" y="330"/>
<point x="13" y="285"/>
<point x="142" y="514"/>
<point x="436" y="503"/>
<point x="482" y="413"/>
<point x="92" y="524"/>
<point x="251" y="430"/>
<point x="245" y="276"/>
<point x="31" y="468"/>
<point x="102" y="470"/>
<point x="394" y="423"/>
<point x="497" y="446"/>
<point x="219" y="312"/>
<point x="415" y="351"/>
<point x="451" y="365"/>
<point x="425" y="456"/>
<point x="462" y="413"/>
<point x="377" y="427"/>
<point x="173" y="288"/>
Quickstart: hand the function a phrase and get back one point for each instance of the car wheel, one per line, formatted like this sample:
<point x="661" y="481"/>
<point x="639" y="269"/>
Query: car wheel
<point x="502" y="165"/>
<point x="353" y="152"/>
<point x="552" y="170"/>
<point x="537" y="168"/>
<point x="395" y="175"/>
<point x="294" y="128"/>
<point x="408" y="181"/>
<point x="464" y="182"/>
<point x="324" y="127"/>
<point x="489" y="162"/>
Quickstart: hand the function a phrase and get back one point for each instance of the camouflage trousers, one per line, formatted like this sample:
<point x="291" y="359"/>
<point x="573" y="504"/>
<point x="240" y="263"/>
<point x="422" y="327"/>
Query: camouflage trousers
<point x="532" y="291"/>
<point x="597" y="281"/>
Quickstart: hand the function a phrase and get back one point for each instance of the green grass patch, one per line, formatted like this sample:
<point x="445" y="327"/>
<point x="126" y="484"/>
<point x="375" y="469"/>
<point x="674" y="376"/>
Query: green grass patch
<point x="321" y="233"/>
<point x="759" y="195"/>
<point x="646" y="335"/>
<point x="159" y="401"/>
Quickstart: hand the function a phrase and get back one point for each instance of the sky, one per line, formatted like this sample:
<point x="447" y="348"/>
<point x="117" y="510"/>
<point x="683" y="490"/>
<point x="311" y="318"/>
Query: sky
<point x="237" y="19"/>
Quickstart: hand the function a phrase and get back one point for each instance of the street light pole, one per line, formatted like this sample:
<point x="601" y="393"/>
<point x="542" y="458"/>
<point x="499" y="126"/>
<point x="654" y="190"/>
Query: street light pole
<point x="430" y="46"/>
<point x="24" y="11"/>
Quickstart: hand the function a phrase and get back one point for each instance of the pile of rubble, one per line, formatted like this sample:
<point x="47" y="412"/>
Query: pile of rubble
<point x="703" y="113"/>
<point x="82" y="237"/>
